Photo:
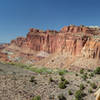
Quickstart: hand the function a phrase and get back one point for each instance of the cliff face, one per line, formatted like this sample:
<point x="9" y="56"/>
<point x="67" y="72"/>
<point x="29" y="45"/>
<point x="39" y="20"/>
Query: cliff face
<point x="76" y="40"/>
<point x="91" y="49"/>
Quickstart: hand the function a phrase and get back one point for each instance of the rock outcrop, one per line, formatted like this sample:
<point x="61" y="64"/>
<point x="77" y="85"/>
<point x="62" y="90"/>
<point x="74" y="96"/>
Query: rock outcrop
<point x="75" y="29"/>
<point x="77" y="40"/>
<point x="80" y="41"/>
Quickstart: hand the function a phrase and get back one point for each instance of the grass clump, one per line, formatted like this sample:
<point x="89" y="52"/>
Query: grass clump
<point x="64" y="80"/>
<point x="62" y="97"/>
<point x="93" y="85"/>
<point x="91" y="74"/>
<point x="41" y="70"/>
<point x="88" y="81"/>
<point x="97" y="70"/>
<point x="50" y="79"/>
<point x="63" y="83"/>
<point x="37" y="98"/>
<point x="33" y="80"/>
<point x="90" y="90"/>
<point x="81" y="71"/>
<point x="82" y="87"/>
<point x="84" y="76"/>
<point x="78" y="95"/>
<point x="70" y="92"/>
<point x="62" y="72"/>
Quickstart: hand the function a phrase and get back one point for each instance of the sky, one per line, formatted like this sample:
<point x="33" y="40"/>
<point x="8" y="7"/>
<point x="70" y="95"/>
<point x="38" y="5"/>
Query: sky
<point x="18" y="16"/>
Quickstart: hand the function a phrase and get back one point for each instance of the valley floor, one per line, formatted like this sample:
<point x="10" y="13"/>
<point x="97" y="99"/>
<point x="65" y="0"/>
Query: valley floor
<point x="20" y="84"/>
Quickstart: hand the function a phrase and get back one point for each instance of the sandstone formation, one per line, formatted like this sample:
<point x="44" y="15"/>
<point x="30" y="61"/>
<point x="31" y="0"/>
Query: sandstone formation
<point x="79" y="41"/>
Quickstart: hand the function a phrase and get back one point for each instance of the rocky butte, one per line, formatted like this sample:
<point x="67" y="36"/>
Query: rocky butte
<point x="80" y="42"/>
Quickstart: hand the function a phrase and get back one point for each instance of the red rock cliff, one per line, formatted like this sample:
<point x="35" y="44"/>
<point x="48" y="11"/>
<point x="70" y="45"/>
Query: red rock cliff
<point x="76" y="40"/>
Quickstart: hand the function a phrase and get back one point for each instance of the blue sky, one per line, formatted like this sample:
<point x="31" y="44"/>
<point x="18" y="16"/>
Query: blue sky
<point x="17" y="16"/>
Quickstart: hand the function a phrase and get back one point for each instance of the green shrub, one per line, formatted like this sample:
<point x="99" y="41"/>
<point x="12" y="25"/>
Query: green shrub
<point x="66" y="82"/>
<point x="62" y="97"/>
<point x="78" y="95"/>
<point x="37" y="98"/>
<point x="50" y="79"/>
<point x="88" y="81"/>
<point x="70" y="92"/>
<point x="93" y="85"/>
<point x="90" y="90"/>
<point x="32" y="79"/>
<point x="62" y="72"/>
<point x="81" y="87"/>
<point x="76" y="74"/>
<point x="62" y="85"/>
<point x="84" y="76"/>
<point x="97" y="70"/>
<point x="91" y="74"/>
<point x="89" y="70"/>
<point x="62" y="78"/>
<point x="81" y="71"/>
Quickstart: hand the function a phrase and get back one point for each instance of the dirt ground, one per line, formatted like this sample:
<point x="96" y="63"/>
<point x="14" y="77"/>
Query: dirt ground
<point x="15" y="84"/>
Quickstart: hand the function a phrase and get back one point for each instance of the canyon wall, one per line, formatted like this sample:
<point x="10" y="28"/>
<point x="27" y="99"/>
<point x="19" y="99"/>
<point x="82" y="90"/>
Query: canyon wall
<point x="76" y="40"/>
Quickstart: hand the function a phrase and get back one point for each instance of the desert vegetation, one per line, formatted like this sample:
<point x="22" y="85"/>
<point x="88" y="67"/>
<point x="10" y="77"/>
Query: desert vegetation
<point x="31" y="83"/>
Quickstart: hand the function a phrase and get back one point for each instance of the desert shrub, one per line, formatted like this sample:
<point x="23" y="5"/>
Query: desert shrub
<point x="66" y="82"/>
<point x="89" y="70"/>
<point x="91" y="74"/>
<point x="84" y="76"/>
<point x="32" y="79"/>
<point x="37" y="98"/>
<point x="62" y="97"/>
<point x="62" y="78"/>
<point x="76" y="74"/>
<point x="81" y="87"/>
<point x="81" y="71"/>
<point x="62" y="72"/>
<point x="90" y="90"/>
<point x="70" y="92"/>
<point x="88" y="81"/>
<point x="78" y="95"/>
<point x="97" y="70"/>
<point x="62" y="85"/>
<point x="93" y="85"/>
<point x="50" y="79"/>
